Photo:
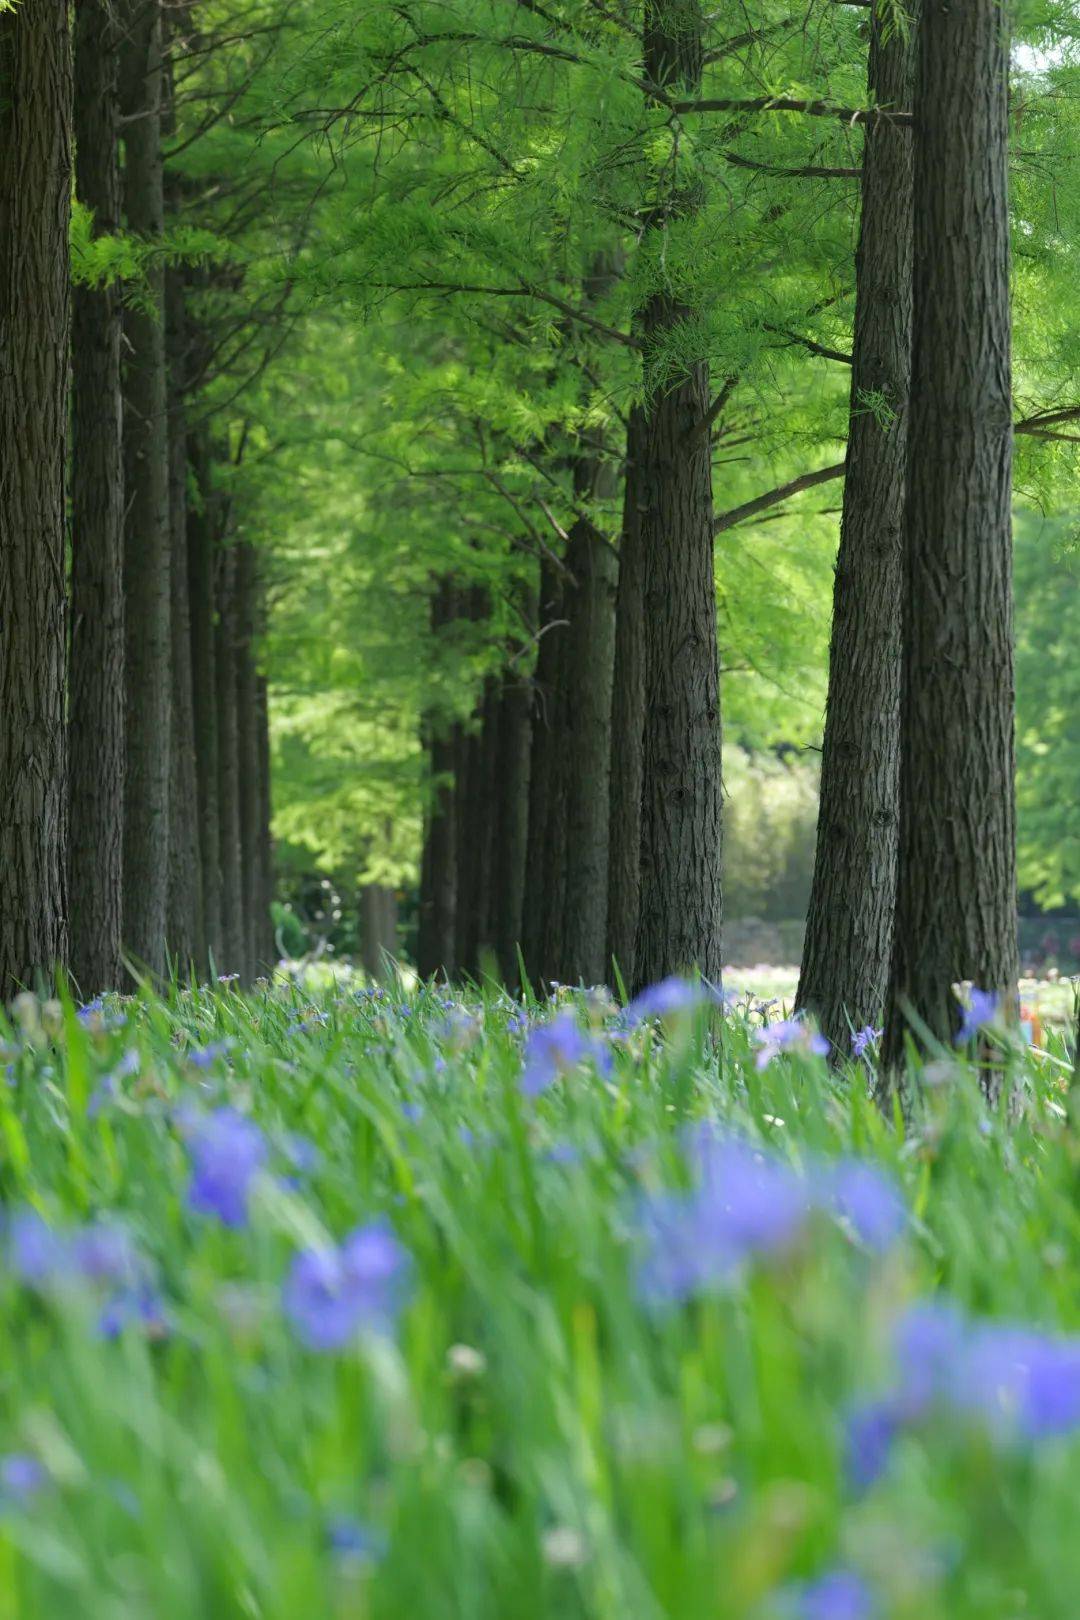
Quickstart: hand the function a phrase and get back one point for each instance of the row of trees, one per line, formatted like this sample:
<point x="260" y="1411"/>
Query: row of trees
<point x="134" y="769"/>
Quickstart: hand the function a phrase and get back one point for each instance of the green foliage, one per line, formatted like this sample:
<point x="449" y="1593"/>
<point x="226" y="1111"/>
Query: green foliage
<point x="525" y="1436"/>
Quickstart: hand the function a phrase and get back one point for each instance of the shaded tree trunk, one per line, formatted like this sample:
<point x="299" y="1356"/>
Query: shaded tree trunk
<point x="481" y="828"/>
<point x="266" y="953"/>
<point x="96" y="687"/>
<point x="201" y="565"/>
<point x="378" y="927"/>
<point x="247" y="745"/>
<point x="627" y="718"/>
<point x="228" y="785"/>
<point x="186" y="930"/>
<point x="590" y="657"/>
<point x="679" y="918"/>
<point x="461" y="743"/>
<point x="146" y="479"/>
<point x="542" y="766"/>
<point x="438" y="891"/>
<point x="845" y="966"/>
<point x="956" y="896"/>
<point x="511" y="824"/>
<point x="35" y="205"/>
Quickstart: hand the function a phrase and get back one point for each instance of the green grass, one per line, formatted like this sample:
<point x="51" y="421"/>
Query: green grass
<point x="528" y="1438"/>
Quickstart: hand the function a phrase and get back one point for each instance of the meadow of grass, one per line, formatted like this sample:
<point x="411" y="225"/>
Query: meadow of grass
<point x="325" y="1301"/>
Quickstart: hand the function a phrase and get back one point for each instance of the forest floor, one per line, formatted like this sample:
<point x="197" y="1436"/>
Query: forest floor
<point x="348" y="1302"/>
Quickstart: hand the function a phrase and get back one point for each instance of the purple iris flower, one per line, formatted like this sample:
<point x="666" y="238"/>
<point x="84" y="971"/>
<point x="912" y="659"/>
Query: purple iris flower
<point x="331" y="1293"/>
<point x="553" y="1049"/>
<point x="672" y="995"/>
<point x="351" y="1541"/>
<point x="204" y="1057"/>
<point x="227" y="1151"/>
<point x="103" y="1251"/>
<point x="870" y="1432"/>
<point x="788" y="1035"/>
<point x="840" y="1594"/>
<point x="863" y="1039"/>
<point x="139" y="1307"/>
<point x="981" y="1009"/>
<point x="36" y="1253"/>
<point x="870" y="1201"/>
<point x="22" y="1476"/>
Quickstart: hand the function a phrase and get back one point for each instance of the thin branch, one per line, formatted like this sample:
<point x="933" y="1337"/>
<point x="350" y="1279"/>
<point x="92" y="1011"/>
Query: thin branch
<point x="810" y="109"/>
<point x="704" y="423"/>
<point x="773" y="497"/>
<point x="808" y="343"/>
<point x="809" y="171"/>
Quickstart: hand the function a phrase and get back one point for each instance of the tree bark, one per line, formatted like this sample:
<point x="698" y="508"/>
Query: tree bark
<point x="186" y="929"/>
<point x="590" y="653"/>
<point x="35" y="207"/>
<point x="680" y="912"/>
<point x="627" y="718"/>
<point x="266" y="953"/>
<point x="228" y="787"/>
<point x="511" y="824"/>
<point x="201" y="564"/>
<point x="378" y="928"/>
<point x="96" y="688"/>
<point x="461" y="742"/>
<point x="483" y="766"/>
<point x="438" y="894"/>
<point x="542" y="767"/>
<point x="146" y="479"/>
<point x="956" y="898"/>
<point x="247" y="745"/>
<point x="845" y="966"/>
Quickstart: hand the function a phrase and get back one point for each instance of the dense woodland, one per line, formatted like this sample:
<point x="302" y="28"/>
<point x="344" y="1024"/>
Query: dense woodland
<point x="479" y="387"/>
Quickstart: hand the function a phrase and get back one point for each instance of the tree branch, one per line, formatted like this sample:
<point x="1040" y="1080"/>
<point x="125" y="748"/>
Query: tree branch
<point x="773" y="497"/>
<point x="810" y="109"/>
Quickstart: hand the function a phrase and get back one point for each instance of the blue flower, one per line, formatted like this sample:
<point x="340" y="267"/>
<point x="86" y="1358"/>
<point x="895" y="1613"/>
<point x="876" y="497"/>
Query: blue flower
<point x="353" y="1542"/>
<point x="21" y="1477"/>
<point x="553" y="1049"/>
<point x="330" y="1293"/>
<point x="840" y="1594"/>
<point x="227" y="1151"/>
<point x="103" y="1251"/>
<point x="204" y="1057"/>
<point x="863" y="1039"/>
<point x="868" y="1200"/>
<point x="870" y="1432"/>
<point x="139" y="1307"/>
<point x="788" y="1035"/>
<point x="671" y="996"/>
<point x="35" y="1252"/>
<point x="981" y="1009"/>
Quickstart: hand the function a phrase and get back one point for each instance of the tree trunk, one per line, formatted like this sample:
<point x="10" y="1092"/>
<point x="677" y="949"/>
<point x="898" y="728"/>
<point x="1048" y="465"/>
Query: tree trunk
<point x="438" y="892"/>
<point x="186" y="931"/>
<point x="679" y="918"/>
<point x="96" y="693"/>
<point x="35" y="205"/>
<point x="483" y="768"/>
<point x="266" y="953"/>
<point x="956" y="898"/>
<point x="461" y="742"/>
<point x="590" y="651"/>
<point x="542" y="767"/>
<point x="553" y="967"/>
<point x="247" y="744"/>
<point x="845" y="966"/>
<point x="146" y="540"/>
<point x="378" y="928"/>
<point x="511" y="825"/>
<point x="201" y="563"/>
<point x="627" y="718"/>
<point x="232" y="900"/>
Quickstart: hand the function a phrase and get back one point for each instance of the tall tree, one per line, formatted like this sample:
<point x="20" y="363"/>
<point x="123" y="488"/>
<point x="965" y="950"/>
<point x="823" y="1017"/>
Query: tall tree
<point x="96" y="700"/>
<point x="511" y="819"/>
<point x="543" y="767"/>
<point x="247" y="749"/>
<point x="845" y="966"/>
<point x="228" y="762"/>
<point x="202" y="512"/>
<point x="680" y="910"/>
<point x="439" y="877"/>
<point x="35" y="207"/>
<point x="956" y="899"/>
<point x="627" y="717"/>
<point x="146" y="478"/>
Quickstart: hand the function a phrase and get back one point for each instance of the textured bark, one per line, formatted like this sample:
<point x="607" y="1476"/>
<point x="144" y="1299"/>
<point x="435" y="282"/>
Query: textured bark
<point x="680" y="913"/>
<point x="35" y="204"/>
<point x="553" y="962"/>
<point x="146" y="539"/>
<point x="378" y="928"/>
<point x="483" y="768"/>
<point x="247" y="746"/>
<point x="590" y="653"/>
<point x="201" y="561"/>
<point x="956" y="898"/>
<point x="266" y="953"/>
<point x="438" y="891"/>
<point x="184" y="917"/>
<point x="461" y="743"/>
<point x="542" y="767"/>
<point x="228" y="786"/>
<point x="627" y="719"/>
<point x="96" y="685"/>
<point x="511" y="823"/>
<point x="845" y="966"/>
